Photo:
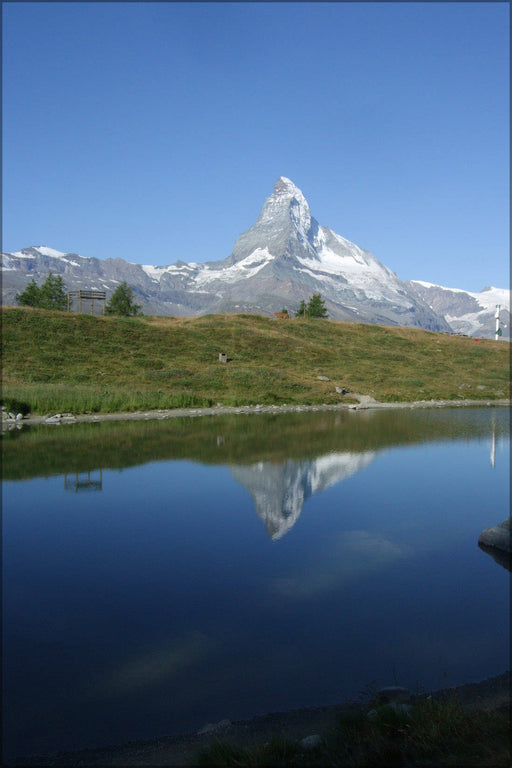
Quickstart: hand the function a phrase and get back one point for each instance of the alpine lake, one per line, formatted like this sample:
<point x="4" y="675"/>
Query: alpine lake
<point x="159" y="575"/>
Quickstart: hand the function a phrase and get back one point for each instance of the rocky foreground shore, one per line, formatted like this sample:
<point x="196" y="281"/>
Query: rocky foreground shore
<point x="304" y="726"/>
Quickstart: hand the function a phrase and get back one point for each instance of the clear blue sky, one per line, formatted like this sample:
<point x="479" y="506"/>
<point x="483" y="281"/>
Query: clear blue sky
<point x="154" y="131"/>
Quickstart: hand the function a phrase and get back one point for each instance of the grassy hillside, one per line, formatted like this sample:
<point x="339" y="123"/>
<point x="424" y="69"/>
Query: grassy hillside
<point x="54" y="361"/>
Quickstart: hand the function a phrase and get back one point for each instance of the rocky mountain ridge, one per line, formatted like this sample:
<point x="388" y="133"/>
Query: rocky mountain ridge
<point x="284" y="257"/>
<point x="473" y="314"/>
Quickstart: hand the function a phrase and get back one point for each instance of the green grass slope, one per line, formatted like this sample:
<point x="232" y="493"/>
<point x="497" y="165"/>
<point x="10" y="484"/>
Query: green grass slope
<point x="70" y="362"/>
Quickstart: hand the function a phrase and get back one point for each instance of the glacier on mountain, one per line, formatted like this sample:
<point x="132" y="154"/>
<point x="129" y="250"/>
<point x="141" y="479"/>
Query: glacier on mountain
<point x="472" y="314"/>
<point x="51" y="252"/>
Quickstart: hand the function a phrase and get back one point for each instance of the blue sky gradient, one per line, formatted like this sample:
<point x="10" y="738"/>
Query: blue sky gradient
<point x="154" y="131"/>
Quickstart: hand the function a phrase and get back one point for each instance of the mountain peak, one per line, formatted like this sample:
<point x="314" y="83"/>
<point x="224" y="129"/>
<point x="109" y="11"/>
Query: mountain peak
<point x="287" y="203"/>
<point x="285" y="185"/>
<point x="285" y="188"/>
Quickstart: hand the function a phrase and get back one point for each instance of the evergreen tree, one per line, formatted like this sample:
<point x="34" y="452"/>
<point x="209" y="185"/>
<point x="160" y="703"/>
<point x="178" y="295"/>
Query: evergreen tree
<point x="302" y="310"/>
<point x="121" y="302"/>
<point x="50" y="295"/>
<point x="316" y="306"/>
<point x="30" y="296"/>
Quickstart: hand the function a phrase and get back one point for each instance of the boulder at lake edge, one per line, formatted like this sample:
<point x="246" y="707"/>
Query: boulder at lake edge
<point x="498" y="536"/>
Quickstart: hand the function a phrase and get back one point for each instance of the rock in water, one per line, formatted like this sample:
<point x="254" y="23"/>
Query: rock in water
<point x="496" y="543"/>
<point x="498" y="536"/>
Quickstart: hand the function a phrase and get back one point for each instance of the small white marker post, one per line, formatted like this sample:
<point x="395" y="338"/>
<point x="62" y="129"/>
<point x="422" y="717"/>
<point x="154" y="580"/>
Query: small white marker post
<point x="497" y="332"/>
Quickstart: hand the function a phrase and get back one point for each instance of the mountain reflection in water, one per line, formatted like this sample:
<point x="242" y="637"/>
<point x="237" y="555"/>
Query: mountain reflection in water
<point x="280" y="489"/>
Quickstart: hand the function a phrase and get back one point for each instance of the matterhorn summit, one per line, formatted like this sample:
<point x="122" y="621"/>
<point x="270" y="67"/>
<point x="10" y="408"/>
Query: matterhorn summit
<point x="283" y="228"/>
<point x="287" y="255"/>
<point x="287" y="206"/>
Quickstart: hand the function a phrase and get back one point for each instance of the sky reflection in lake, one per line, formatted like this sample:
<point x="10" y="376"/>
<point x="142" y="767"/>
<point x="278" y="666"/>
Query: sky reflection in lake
<point x="193" y="589"/>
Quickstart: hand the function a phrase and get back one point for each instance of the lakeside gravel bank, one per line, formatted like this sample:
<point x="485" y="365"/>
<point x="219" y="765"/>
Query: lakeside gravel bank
<point x="363" y="402"/>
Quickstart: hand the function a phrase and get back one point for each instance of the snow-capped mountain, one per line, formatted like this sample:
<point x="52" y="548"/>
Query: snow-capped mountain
<point x="280" y="490"/>
<point x="285" y="257"/>
<point x="473" y="314"/>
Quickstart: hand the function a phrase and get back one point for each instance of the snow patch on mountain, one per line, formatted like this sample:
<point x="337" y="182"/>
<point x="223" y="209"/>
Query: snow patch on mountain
<point x="467" y="312"/>
<point x="7" y="263"/>
<point x="488" y="298"/>
<point x="70" y="261"/>
<point x="241" y="270"/>
<point x="362" y="273"/>
<point x="23" y="255"/>
<point x="49" y="251"/>
<point x="157" y="272"/>
<point x="43" y="250"/>
<point x="339" y="263"/>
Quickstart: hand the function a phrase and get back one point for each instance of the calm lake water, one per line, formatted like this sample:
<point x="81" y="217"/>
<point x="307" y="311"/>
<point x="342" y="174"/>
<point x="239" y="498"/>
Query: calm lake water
<point x="161" y="575"/>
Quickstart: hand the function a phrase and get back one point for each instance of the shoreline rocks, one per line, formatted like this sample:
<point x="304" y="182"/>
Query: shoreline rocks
<point x="365" y="402"/>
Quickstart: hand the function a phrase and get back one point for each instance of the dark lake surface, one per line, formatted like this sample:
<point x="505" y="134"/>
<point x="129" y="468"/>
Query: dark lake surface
<point x="161" y="575"/>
